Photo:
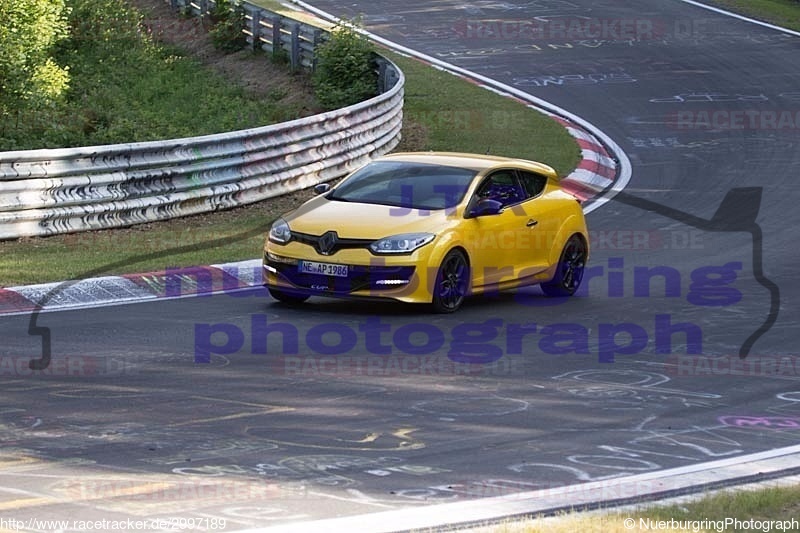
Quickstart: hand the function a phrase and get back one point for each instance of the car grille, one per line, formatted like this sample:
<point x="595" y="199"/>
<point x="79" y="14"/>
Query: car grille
<point x="338" y="243"/>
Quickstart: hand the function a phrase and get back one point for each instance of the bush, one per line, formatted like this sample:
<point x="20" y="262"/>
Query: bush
<point x="345" y="72"/>
<point x="227" y="19"/>
<point x="125" y="87"/>
<point x="103" y="27"/>
<point x="29" y="33"/>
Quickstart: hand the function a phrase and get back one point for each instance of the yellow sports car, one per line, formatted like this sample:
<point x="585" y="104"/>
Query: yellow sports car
<point x="430" y="228"/>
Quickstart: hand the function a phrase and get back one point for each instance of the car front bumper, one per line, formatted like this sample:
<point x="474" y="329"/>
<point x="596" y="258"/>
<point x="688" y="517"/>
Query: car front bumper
<point x="405" y="278"/>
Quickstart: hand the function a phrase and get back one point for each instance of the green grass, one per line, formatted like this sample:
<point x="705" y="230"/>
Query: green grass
<point x="459" y="116"/>
<point x="763" y="504"/>
<point x="124" y="88"/>
<point x="199" y="240"/>
<point x="784" y="13"/>
<point x="776" y="504"/>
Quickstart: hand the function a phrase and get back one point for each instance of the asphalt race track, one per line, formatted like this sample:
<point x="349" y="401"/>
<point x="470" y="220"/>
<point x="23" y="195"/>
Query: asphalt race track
<point x="681" y="349"/>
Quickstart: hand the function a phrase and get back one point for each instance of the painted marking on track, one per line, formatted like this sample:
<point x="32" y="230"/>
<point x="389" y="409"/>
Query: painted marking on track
<point x="647" y="381"/>
<point x="479" y="406"/>
<point x="370" y="442"/>
<point x="8" y="463"/>
<point x="407" y="441"/>
<point x="264" y="409"/>
<point x="360" y="497"/>
<point x="26" y="502"/>
<point x="259" y="513"/>
<point x="758" y="422"/>
<point x="791" y="396"/>
<point x="99" y="392"/>
<point x="224" y="400"/>
<point x="372" y="437"/>
<point x="137" y="490"/>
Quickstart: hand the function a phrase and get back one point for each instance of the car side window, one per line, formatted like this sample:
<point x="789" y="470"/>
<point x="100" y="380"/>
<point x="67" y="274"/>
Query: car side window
<point x="533" y="183"/>
<point x="502" y="186"/>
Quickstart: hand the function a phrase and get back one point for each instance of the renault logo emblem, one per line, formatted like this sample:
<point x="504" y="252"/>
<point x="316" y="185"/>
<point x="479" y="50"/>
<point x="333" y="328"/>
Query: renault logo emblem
<point x="327" y="242"/>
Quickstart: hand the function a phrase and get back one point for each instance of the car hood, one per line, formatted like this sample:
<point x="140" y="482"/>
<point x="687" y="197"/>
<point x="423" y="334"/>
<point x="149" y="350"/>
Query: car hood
<point x="363" y="221"/>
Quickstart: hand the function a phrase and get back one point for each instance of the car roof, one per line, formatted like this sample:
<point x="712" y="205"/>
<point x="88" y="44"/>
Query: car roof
<point x="477" y="162"/>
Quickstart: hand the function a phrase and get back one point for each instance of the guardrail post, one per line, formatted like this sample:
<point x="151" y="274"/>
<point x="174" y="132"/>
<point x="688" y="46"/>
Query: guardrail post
<point x="277" y="46"/>
<point x="255" y="28"/>
<point x="381" y="74"/>
<point x="295" y="59"/>
<point x="203" y="8"/>
<point x="387" y="77"/>
<point x="317" y="40"/>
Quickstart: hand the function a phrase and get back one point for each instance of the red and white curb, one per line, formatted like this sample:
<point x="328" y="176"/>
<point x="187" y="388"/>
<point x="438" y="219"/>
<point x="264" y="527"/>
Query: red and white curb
<point x="597" y="170"/>
<point x="128" y="288"/>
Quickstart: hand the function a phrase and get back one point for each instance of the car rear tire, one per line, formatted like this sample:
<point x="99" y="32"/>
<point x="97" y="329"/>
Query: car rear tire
<point x="569" y="272"/>
<point x="288" y="298"/>
<point x="452" y="280"/>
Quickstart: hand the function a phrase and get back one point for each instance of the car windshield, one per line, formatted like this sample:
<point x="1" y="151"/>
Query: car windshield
<point x="404" y="184"/>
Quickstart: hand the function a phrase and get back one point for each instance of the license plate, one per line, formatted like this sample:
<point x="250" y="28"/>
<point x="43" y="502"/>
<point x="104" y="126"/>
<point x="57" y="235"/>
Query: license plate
<point x="323" y="269"/>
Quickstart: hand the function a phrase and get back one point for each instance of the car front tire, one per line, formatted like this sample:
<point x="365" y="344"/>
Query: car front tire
<point x="452" y="281"/>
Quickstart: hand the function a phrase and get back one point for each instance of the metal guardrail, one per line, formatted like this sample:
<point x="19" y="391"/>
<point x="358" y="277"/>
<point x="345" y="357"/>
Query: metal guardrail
<point x="46" y="192"/>
<point x="268" y="31"/>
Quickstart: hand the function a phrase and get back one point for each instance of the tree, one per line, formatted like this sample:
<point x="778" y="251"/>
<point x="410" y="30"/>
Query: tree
<point x="345" y="71"/>
<point x="29" y="31"/>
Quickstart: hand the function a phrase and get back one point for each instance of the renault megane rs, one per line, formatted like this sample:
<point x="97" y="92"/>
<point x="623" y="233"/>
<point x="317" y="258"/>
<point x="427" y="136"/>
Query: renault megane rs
<point x="430" y="228"/>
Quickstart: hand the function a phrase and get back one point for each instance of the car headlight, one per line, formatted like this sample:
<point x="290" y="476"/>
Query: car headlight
<point x="280" y="232"/>
<point x="401" y="244"/>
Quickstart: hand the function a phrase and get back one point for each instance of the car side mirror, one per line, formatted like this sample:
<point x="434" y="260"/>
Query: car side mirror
<point x="322" y="188"/>
<point x="486" y="207"/>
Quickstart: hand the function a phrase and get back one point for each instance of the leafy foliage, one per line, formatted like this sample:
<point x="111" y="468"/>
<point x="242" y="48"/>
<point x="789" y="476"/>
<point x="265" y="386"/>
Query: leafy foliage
<point x="29" y="32"/>
<point x="125" y="87"/>
<point x="106" y="27"/>
<point x="345" y="72"/>
<point x="227" y="17"/>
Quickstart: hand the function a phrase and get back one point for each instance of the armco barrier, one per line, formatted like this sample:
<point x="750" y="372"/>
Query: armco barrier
<point x="270" y="32"/>
<point x="45" y="192"/>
